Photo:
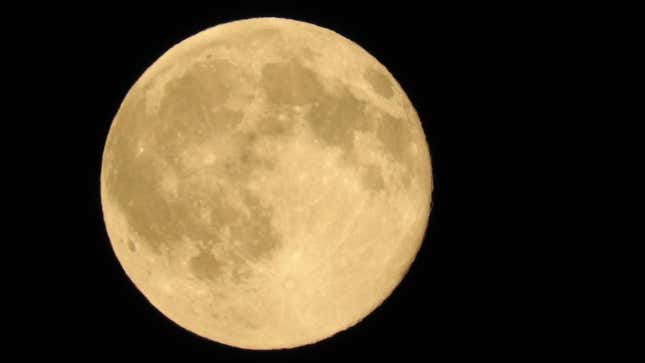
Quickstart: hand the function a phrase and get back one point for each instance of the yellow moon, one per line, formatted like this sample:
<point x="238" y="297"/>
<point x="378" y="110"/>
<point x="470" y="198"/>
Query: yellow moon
<point x="266" y="183"/>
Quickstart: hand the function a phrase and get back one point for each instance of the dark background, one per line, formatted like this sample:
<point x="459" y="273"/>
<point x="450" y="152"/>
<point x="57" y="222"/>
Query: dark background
<point x="471" y="73"/>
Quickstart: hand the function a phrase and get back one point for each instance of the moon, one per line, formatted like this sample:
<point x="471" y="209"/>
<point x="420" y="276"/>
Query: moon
<point x="266" y="183"/>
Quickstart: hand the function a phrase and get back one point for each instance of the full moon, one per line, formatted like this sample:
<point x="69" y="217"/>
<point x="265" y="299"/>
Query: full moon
<point x="266" y="183"/>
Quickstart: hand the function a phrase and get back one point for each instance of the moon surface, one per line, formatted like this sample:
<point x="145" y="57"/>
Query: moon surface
<point x="266" y="183"/>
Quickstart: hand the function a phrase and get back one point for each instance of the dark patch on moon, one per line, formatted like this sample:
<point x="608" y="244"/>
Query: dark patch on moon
<point x="380" y="82"/>
<point x="205" y="266"/>
<point x="394" y="136"/>
<point x="397" y="138"/>
<point x="290" y="83"/>
<point x="192" y="105"/>
<point x="372" y="178"/>
<point x="335" y="119"/>
<point x="204" y="83"/>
